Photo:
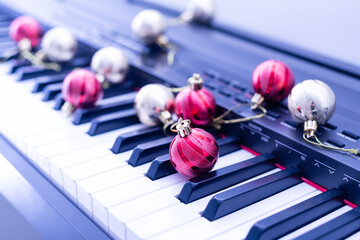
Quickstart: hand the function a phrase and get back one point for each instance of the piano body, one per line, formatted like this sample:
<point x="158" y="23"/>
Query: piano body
<point x="102" y="175"/>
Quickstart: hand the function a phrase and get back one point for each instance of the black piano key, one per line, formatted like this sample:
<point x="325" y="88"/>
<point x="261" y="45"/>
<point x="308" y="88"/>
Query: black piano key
<point x="42" y="82"/>
<point x="162" y="167"/>
<point x="111" y="105"/>
<point x="51" y="91"/>
<point x="344" y="231"/>
<point x="59" y="102"/>
<point x="129" y="140"/>
<point x="242" y="196"/>
<point x="29" y="72"/>
<point x="15" y="64"/>
<point x="147" y="152"/>
<point x="113" y="121"/>
<point x="5" y="24"/>
<point x="334" y="224"/>
<point x="217" y="180"/>
<point x="297" y="216"/>
<point x="117" y="89"/>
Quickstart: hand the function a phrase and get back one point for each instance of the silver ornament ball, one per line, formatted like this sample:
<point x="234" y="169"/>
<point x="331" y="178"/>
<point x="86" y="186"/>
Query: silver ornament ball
<point x="110" y="62"/>
<point x="59" y="45"/>
<point x="151" y="101"/>
<point x="201" y="10"/>
<point x="312" y="100"/>
<point x="148" y="25"/>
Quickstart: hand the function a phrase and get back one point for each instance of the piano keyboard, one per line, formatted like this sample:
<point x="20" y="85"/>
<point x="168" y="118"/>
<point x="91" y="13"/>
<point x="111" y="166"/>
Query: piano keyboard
<point x="117" y="170"/>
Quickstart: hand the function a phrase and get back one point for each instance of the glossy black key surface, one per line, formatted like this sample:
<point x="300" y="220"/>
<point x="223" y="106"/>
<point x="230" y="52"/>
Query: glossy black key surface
<point x="217" y="180"/>
<point x="162" y="167"/>
<point x="147" y="152"/>
<point x="117" y="89"/>
<point x="59" y="101"/>
<point x="43" y="82"/>
<point x="344" y="231"/>
<point x="51" y="91"/>
<point x="244" y="195"/>
<point x="129" y="140"/>
<point x="334" y="224"/>
<point x="109" y="105"/>
<point x="113" y="121"/>
<point x="297" y="216"/>
<point x="15" y="64"/>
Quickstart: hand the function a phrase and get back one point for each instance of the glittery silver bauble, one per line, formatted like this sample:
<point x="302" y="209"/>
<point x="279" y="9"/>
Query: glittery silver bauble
<point x="201" y="10"/>
<point x="312" y="100"/>
<point x="148" y="25"/>
<point x="151" y="101"/>
<point x="59" y="45"/>
<point x="110" y="62"/>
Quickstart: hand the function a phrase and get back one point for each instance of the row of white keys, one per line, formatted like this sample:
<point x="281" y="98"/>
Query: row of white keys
<point x="201" y="228"/>
<point x="104" y="200"/>
<point x="317" y="223"/>
<point x="53" y="152"/>
<point x="121" y="214"/>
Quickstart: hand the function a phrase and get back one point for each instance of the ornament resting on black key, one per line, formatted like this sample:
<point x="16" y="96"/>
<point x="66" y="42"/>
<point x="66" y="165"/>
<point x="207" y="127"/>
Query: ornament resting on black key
<point x="195" y="102"/>
<point x="80" y="89"/>
<point x="193" y="151"/>
<point x="153" y="105"/>
<point x="312" y="102"/>
<point x="110" y="65"/>
<point x="27" y="32"/>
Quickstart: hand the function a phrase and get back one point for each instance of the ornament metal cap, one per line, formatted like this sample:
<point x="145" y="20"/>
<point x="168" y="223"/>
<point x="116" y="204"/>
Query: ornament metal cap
<point x="182" y="127"/>
<point x="195" y="82"/>
<point x="310" y="127"/>
<point x="256" y="100"/>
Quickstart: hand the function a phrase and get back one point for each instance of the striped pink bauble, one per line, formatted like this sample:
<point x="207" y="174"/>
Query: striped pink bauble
<point x="81" y="88"/>
<point x="25" y="27"/>
<point x="273" y="80"/>
<point x="194" y="154"/>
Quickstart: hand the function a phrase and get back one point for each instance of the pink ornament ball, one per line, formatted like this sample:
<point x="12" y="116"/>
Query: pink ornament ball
<point x="273" y="80"/>
<point x="25" y="27"/>
<point x="81" y="88"/>
<point x="194" y="154"/>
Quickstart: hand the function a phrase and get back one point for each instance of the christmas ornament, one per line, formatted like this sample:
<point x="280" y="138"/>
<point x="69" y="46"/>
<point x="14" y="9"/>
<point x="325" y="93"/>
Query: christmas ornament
<point x="153" y="104"/>
<point x="25" y="28"/>
<point x="312" y="102"/>
<point x="195" y="102"/>
<point x="110" y="65"/>
<point x="58" y="45"/>
<point x="272" y="80"/>
<point x="198" y="10"/>
<point x="192" y="151"/>
<point x="80" y="89"/>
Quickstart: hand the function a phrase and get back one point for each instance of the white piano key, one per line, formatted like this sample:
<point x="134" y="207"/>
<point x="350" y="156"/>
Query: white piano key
<point x="317" y="223"/>
<point x="122" y="214"/>
<point x="355" y="236"/>
<point x="87" y="187"/>
<point x="90" y="168"/>
<point x="125" y="192"/>
<point x="201" y="228"/>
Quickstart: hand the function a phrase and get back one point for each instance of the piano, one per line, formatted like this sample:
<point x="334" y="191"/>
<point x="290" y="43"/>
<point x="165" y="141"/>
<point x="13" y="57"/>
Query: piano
<point x="101" y="174"/>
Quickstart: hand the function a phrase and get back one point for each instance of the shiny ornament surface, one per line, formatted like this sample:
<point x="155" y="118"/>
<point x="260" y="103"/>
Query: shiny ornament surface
<point x="195" y="153"/>
<point x="195" y="103"/>
<point x="110" y="62"/>
<point x="201" y="10"/>
<point x="273" y="80"/>
<point x="81" y="88"/>
<point x="148" y="25"/>
<point x="59" y="45"/>
<point x="25" y="27"/>
<point x="312" y="100"/>
<point x="151" y="101"/>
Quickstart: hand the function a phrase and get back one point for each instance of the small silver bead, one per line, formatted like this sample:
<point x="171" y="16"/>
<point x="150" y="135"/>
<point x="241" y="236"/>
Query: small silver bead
<point x="151" y="101"/>
<point x="59" y="45"/>
<point x="312" y="100"/>
<point x="110" y="62"/>
<point x="148" y="25"/>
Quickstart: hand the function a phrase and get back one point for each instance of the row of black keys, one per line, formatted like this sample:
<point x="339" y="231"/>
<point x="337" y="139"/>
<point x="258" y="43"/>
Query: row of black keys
<point x="150" y="145"/>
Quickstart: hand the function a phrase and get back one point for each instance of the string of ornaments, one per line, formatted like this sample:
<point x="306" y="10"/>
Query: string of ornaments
<point x="57" y="45"/>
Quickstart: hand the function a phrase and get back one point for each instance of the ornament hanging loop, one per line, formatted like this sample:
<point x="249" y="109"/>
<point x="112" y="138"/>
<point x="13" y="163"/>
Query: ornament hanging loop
<point x="171" y="48"/>
<point x="354" y="151"/>
<point x="37" y="59"/>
